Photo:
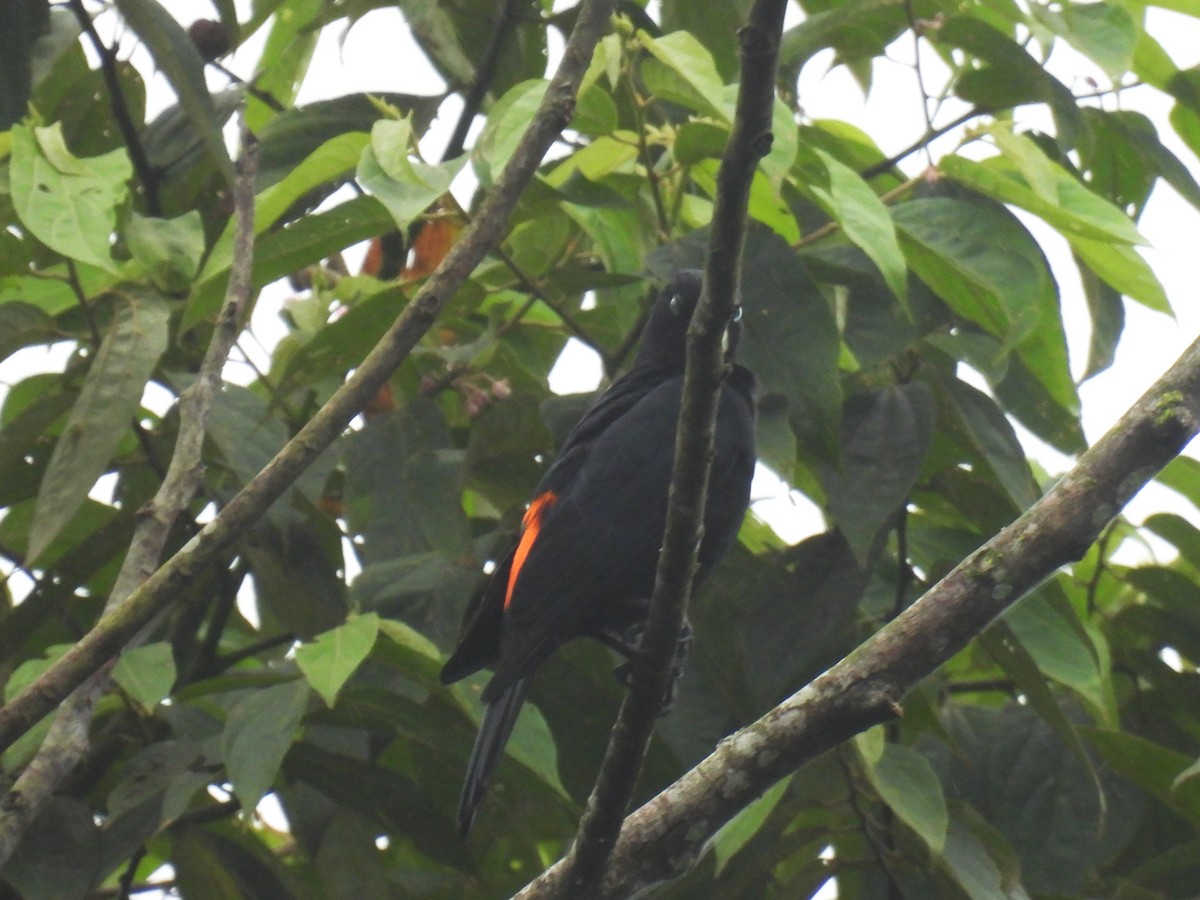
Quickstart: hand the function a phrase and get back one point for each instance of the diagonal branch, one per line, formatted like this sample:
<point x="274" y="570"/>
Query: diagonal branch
<point x="666" y="837"/>
<point x="67" y="740"/>
<point x="115" y="628"/>
<point x="748" y="143"/>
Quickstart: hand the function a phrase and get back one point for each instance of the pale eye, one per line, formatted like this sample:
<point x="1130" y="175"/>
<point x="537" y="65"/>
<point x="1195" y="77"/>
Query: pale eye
<point x="676" y="305"/>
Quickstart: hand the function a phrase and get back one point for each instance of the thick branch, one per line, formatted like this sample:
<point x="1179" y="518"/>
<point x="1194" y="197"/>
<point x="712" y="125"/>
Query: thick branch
<point x="489" y="225"/>
<point x="748" y="143"/>
<point x="664" y="838"/>
<point x="67" y="741"/>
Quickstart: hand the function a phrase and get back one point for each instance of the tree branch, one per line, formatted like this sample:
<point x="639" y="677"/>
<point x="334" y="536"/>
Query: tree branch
<point x="119" y="625"/>
<point x="67" y="740"/>
<point x="748" y="143"/>
<point x="665" y="838"/>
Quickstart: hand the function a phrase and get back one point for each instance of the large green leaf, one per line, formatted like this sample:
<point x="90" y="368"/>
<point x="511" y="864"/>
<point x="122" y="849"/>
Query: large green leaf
<point x="906" y="782"/>
<point x="287" y="250"/>
<point x="258" y="733"/>
<point x="285" y="59"/>
<point x="885" y="436"/>
<point x="1017" y="773"/>
<point x="682" y="70"/>
<point x="1108" y="320"/>
<point x="850" y="202"/>
<point x="107" y="404"/>
<point x="69" y="204"/>
<point x="507" y="121"/>
<point x="739" y="830"/>
<point x="1122" y="268"/>
<point x="176" y="56"/>
<point x="979" y="259"/>
<point x="1009" y="77"/>
<point x="1073" y="209"/>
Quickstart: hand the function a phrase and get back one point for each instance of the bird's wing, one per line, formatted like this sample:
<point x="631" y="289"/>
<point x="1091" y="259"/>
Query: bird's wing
<point x="595" y="551"/>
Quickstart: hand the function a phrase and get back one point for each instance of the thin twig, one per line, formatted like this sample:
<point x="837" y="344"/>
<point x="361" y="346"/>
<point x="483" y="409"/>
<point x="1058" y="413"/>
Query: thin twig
<point x="749" y="141"/>
<point x="82" y="300"/>
<point x="886" y="165"/>
<point x="502" y="26"/>
<point x="120" y="110"/>
<point x="109" y="635"/>
<point x="67" y="741"/>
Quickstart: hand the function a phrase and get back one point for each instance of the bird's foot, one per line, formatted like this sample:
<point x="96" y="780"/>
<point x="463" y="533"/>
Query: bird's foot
<point x="630" y="646"/>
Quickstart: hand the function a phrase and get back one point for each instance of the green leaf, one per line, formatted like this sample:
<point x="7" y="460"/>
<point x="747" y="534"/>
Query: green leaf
<point x="257" y="734"/>
<point x="297" y="134"/>
<point x="1122" y="268"/>
<point x="905" y="781"/>
<point x="1010" y="76"/>
<point x="979" y="860"/>
<point x="849" y="201"/>
<point x="290" y="249"/>
<point x="1182" y="474"/>
<point x="1151" y="766"/>
<point x="1108" y="320"/>
<point x="284" y="59"/>
<point x="176" y="56"/>
<point x="333" y="160"/>
<point x="58" y="852"/>
<point x="741" y="829"/>
<point x="1074" y="210"/>
<point x="434" y="27"/>
<point x="885" y="437"/>
<point x="714" y="25"/>
<point x="1104" y="32"/>
<point x="405" y="187"/>
<point x="1180" y="532"/>
<point x="111" y="396"/>
<point x="1003" y="645"/>
<point x="992" y="436"/>
<point x="146" y="674"/>
<point x="169" y="249"/>
<point x="68" y="203"/>
<point x="506" y="123"/>
<point x="1059" y="650"/>
<point x="331" y="658"/>
<point x="980" y="259"/>
<point x="685" y="73"/>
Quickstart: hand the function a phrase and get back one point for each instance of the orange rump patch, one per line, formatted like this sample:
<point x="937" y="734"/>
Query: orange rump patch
<point x="531" y="526"/>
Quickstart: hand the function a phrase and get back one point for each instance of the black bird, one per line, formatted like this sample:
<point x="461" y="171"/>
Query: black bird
<point x="585" y="560"/>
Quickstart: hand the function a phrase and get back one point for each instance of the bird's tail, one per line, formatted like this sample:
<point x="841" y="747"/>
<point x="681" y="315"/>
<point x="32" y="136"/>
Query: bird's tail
<point x="498" y="720"/>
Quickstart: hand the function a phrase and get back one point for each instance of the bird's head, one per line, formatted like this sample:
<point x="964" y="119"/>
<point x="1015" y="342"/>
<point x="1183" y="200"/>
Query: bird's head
<point x="664" y="341"/>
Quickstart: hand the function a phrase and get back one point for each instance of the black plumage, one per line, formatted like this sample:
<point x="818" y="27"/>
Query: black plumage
<point x="585" y="562"/>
